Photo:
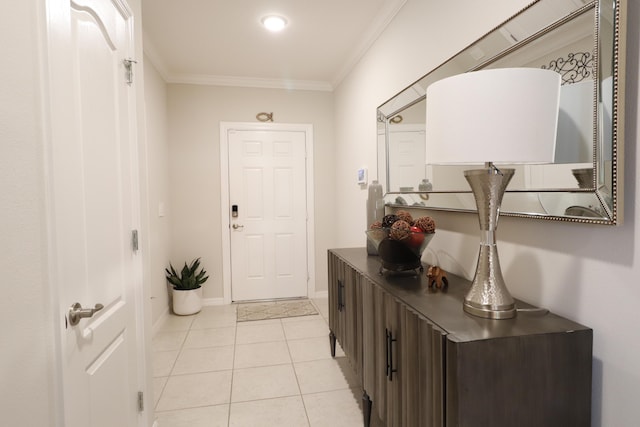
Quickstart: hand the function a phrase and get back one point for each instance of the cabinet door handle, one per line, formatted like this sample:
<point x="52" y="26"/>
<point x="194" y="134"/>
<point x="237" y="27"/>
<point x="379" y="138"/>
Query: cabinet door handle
<point x="340" y="295"/>
<point x="386" y="332"/>
<point x="390" y="341"/>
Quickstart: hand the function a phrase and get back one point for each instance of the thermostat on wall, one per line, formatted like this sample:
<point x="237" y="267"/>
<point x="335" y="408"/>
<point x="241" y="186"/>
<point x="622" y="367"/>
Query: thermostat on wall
<point x="362" y="176"/>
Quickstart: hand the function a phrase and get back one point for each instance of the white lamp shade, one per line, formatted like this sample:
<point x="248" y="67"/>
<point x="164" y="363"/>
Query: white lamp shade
<point x="505" y="115"/>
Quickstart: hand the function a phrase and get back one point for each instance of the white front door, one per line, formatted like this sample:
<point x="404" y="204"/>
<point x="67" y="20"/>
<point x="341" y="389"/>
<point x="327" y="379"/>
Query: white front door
<point x="267" y="195"/>
<point x="94" y="208"/>
<point x="406" y="156"/>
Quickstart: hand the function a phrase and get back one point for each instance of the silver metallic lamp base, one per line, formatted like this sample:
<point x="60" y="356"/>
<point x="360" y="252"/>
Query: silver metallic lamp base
<point x="488" y="296"/>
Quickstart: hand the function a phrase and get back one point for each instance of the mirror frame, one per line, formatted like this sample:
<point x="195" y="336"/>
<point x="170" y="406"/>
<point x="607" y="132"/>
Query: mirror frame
<point x="612" y="202"/>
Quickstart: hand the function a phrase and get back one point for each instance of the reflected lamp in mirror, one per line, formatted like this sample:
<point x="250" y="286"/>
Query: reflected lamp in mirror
<point x="491" y="117"/>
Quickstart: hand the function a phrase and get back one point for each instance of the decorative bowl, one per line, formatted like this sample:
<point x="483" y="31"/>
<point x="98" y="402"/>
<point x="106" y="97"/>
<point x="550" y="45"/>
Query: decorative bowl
<point x="399" y="255"/>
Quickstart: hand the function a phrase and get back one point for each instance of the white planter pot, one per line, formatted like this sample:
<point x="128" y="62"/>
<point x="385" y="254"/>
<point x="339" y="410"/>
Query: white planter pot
<point x="187" y="302"/>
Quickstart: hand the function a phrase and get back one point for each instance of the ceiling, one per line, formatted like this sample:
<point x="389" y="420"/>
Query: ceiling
<point x="222" y="42"/>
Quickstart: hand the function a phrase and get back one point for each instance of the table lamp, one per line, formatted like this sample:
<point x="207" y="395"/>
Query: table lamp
<point x="490" y="117"/>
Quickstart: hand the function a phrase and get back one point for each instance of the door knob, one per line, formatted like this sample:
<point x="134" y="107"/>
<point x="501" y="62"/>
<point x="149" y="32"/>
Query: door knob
<point x="76" y="312"/>
<point x="236" y="226"/>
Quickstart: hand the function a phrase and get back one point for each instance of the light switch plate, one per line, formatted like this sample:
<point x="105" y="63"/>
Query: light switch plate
<point x="362" y="176"/>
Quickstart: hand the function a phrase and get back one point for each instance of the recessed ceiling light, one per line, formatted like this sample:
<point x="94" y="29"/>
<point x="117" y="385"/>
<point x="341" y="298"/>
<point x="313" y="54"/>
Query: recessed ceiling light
<point x="274" y="23"/>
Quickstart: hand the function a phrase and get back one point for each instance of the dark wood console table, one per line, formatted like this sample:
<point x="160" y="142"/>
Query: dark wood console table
<point x="424" y="362"/>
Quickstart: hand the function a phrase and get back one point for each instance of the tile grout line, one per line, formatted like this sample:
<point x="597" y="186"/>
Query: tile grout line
<point x="288" y="340"/>
<point x="170" y="374"/>
<point x="233" y="367"/>
<point x="295" y="372"/>
<point x="184" y="340"/>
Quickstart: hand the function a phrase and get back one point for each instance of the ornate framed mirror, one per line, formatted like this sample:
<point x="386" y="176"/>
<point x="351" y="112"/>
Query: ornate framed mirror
<point x="582" y="40"/>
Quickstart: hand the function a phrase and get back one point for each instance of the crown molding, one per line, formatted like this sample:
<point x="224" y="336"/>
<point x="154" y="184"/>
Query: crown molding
<point x="152" y="55"/>
<point x="375" y="29"/>
<point x="255" y="82"/>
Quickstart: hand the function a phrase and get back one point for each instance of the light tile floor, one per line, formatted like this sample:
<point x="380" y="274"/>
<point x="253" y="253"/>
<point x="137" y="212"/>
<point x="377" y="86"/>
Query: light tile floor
<point x="210" y="370"/>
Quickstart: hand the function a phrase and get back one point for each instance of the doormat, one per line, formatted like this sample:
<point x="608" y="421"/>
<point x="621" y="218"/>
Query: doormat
<point x="274" y="310"/>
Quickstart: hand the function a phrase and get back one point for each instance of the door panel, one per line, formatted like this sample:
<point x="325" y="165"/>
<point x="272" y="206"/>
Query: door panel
<point x="268" y="244"/>
<point x="423" y="365"/>
<point x="392" y="310"/>
<point x="406" y="156"/>
<point x="381" y="356"/>
<point x="94" y="209"/>
<point x="110" y="393"/>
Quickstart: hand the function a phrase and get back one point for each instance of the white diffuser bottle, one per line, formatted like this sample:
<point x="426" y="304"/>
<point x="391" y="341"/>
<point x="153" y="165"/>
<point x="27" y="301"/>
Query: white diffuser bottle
<point x="375" y="210"/>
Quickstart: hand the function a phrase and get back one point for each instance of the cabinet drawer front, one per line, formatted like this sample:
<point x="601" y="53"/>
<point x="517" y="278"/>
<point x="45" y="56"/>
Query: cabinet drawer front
<point x="422" y="370"/>
<point x="345" y="309"/>
<point x="334" y="264"/>
<point x="403" y="361"/>
<point x="424" y="360"/>
<point x="538" y="380"/>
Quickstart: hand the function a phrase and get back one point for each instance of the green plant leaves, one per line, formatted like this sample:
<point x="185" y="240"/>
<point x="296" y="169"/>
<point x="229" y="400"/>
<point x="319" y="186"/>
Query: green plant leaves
<point x="189" y="277"/>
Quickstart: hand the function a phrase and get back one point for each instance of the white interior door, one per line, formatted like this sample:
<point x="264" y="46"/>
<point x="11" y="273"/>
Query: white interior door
<point x="406" y="156"/>
<point x="267" y="193"/>
<point x="94" y="206"/>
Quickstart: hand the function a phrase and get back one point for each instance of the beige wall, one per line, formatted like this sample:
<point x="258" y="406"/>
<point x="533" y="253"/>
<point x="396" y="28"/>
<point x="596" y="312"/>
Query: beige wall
<point x="30" y="394"/>
<point x="400" y="56"/>
<point x="157" y="175"/>
<point x="587" y="273"/>
<point x="195" y="113"/>
<point x="26" y="336"/>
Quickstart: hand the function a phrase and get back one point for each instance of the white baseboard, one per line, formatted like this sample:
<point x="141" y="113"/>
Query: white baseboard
<point x="212" y="301"/>
<point x="321" y="294"/>
<point x="158" y="324"/>
<point x="163" y="317"/>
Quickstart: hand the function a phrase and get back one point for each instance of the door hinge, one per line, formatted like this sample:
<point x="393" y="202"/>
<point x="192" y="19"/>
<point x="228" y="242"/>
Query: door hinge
<point x="134" y="240"/>
<point x="140" y="401"/>
<point x="128" y="69"/>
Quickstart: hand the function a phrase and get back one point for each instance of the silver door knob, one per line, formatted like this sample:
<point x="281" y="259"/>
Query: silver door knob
<point x="237" y="227"/>
<point x="76" y="312"/>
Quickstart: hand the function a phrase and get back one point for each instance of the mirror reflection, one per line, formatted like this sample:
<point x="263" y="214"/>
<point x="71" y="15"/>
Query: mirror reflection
<point x="575" y="41"/>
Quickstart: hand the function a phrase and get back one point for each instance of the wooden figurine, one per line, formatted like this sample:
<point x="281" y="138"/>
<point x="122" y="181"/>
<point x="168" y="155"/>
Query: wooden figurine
<point x="437" y="277"/>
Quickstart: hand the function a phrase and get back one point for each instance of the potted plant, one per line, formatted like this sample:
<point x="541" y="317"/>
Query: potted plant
<point x="187" y="287"/>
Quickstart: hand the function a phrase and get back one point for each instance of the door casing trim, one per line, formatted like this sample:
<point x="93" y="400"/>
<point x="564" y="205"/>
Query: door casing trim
<point x="225" y="207"/>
